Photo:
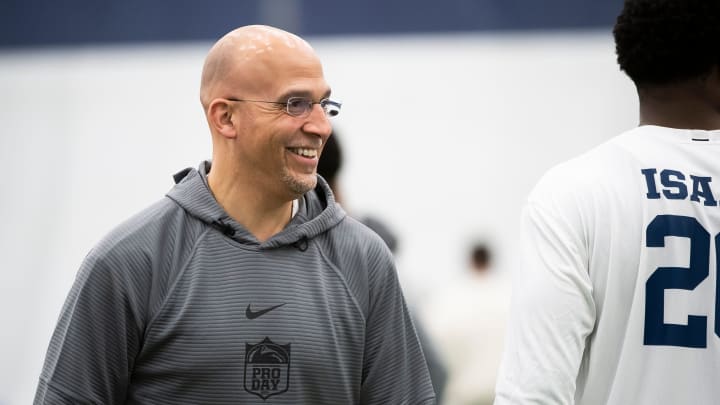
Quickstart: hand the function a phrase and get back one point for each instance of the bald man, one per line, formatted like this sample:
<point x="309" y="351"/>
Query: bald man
<point x="247" y="283"/>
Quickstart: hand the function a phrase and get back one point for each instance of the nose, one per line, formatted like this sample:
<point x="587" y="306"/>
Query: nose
<point x="318" y="122"/>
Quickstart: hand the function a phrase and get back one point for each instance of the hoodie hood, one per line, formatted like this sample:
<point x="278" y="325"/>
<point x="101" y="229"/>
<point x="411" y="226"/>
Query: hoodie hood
<point x="318" y="212"/>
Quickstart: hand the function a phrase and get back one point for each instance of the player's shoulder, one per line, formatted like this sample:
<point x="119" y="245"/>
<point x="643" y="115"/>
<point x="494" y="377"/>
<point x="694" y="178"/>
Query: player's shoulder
<point x="606" y="163"/>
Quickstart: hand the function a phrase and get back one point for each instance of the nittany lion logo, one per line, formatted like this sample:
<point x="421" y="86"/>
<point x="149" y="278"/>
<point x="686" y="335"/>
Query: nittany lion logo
<point x="267" y="368"/>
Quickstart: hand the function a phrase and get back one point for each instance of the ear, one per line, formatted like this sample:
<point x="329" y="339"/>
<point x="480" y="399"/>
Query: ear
<point x="220" y="118"/>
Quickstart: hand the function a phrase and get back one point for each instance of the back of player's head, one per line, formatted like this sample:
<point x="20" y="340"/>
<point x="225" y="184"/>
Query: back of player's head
<point x="665" y="41"/>
<point x="330" y="160"/>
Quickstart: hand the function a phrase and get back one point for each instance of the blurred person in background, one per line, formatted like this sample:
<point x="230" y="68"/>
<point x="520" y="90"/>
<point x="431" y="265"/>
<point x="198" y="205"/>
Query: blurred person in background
<point x="467" y="320"/>
<point x="617" y="301"/>
<point x="329" y="167"/>
<point x="247" y="283"/>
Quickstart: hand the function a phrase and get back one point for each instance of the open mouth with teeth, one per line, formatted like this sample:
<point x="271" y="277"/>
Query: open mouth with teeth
<point x="307" y="153"/>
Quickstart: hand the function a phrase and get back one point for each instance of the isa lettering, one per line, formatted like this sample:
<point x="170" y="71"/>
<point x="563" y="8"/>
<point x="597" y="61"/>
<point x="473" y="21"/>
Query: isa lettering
<point x="675" y="185"/>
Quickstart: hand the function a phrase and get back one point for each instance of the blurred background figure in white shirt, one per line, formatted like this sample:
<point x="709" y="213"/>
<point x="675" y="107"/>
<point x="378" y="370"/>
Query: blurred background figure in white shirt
<point x="466" y="320"/>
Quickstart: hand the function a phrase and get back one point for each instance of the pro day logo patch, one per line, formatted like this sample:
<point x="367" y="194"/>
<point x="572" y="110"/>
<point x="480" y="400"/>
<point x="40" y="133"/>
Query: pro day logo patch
<point x="267" y="368"/>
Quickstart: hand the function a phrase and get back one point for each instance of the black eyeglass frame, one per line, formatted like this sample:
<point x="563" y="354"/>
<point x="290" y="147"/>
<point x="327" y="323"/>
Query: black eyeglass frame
<point x="324" y="103"/>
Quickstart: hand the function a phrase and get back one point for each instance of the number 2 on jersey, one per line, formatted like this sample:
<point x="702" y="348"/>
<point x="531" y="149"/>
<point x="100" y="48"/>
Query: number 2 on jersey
<point x="657" y="332"/>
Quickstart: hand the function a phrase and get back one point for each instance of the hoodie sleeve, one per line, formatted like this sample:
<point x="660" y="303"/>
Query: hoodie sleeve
<point x="394" y="370"/>
<point x="92" y="349"/>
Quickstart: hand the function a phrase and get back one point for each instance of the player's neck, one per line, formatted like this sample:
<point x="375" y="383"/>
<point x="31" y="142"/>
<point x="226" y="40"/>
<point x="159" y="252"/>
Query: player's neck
<point x="689" y="105"/>
<point x="679" y="116"/>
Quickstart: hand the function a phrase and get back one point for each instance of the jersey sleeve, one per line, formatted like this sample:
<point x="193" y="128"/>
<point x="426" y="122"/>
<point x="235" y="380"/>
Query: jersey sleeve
<point x="394" y="369"/>
<point x="553" y="311"/>
<point x="98" y="333"/>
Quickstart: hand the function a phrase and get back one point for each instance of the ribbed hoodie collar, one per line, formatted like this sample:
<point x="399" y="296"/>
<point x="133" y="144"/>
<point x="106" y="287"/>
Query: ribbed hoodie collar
<point x="317" y="213"/>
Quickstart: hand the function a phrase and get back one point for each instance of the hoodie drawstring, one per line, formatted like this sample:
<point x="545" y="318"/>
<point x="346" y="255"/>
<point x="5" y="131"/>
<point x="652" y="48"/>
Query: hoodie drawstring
<point x="301" y="244"/>
<point x="221" y="226"/>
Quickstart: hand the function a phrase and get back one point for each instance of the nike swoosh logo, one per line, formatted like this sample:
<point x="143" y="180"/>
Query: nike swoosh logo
<point x="252" y="315"/>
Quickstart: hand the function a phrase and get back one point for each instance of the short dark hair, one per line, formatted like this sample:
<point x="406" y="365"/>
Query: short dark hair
<point x="665" y="41"/>
<point x="481" y="256"/>
<point x="330" y="160"/>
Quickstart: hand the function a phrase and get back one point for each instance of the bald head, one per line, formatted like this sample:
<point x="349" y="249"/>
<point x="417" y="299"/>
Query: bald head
<point x="241" y="59"/>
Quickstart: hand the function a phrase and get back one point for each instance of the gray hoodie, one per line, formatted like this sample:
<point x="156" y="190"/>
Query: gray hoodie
<point x="182" y="305"/>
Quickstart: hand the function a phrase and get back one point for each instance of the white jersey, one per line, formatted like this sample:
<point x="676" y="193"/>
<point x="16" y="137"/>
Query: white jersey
<point x="617" y="300"/>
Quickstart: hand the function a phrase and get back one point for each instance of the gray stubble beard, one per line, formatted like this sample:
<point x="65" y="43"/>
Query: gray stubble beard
<point x="298" y="187"/>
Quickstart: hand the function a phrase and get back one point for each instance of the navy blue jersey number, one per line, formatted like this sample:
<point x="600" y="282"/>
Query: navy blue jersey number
<point x="692" y="334"/>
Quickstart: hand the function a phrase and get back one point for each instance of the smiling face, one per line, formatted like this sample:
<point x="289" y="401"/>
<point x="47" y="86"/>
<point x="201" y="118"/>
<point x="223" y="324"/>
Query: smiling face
<point x="278" y="147"/>
<point x="273" y="151"/>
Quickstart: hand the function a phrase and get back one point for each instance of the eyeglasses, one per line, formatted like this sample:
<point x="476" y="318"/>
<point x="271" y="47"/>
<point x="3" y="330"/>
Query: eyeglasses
<point x="301" y="106"/>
